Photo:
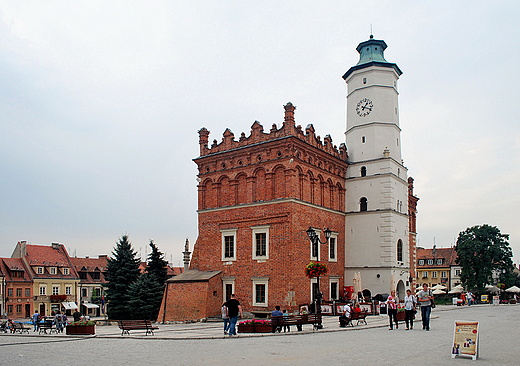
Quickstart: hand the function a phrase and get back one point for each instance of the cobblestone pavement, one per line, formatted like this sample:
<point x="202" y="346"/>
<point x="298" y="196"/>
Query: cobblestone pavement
<point x="205" y="344"/>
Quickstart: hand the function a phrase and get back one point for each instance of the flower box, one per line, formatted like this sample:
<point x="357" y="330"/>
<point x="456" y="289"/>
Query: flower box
<point x="255" y="326"/>
<point x="246" y="328"/>
<point x="81" y="330"/>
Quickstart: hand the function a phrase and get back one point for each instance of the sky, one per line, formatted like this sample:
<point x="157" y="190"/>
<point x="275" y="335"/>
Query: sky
<point x="100" y="104"/>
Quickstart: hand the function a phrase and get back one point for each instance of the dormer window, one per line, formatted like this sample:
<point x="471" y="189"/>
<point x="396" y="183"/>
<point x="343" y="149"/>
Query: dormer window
<point x="439" y="261"/>
<point x="53" y="270"/>
<point x="39" y="270"/>
<point x="66" y="271"/>
<point x="421" y="262"/>
<point x="430" y="262"/>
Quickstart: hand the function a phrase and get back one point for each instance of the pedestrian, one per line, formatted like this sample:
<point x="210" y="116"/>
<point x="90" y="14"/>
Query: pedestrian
<point x="76" y="315"/>
<point x="233" y="310"/>
<point x="58" y="321"/>
<point x="424" y="297"/>
<point x="277" y="312"/>
<point x="36" y="320"/>
<point x="285" y="317"/>
<point x="410" y="302"/>
<point x="225" y="318"/>
<point x="463" y="297"/>
<point x="469" y="297"/>
<point x="391" y="305"/>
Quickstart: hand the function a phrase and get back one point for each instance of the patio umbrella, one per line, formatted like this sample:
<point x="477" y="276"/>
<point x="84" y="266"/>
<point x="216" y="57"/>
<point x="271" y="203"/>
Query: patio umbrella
<point x="456" y="290"/>
<point x="439" y="287"/>
<point x="359" y="282"/>
<point x="438" y="292"/>
<point x="513" y="289"/>
<point x="492" y="288"/>
<point x="458" y="287"/>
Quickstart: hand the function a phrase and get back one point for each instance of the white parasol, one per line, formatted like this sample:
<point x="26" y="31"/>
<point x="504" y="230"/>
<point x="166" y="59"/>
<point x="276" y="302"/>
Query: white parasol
<point x="439" y="287"/>
<point x="492" y="288"/>
<point x="456" y="290"/>
<point x="513" y="289"/>
<point x="438" y="292"/>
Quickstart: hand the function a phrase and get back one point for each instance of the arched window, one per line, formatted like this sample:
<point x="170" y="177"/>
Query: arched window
<point x="363" y="171"/>
<point x="363" y="204"/>
<point x="399" y="250"/>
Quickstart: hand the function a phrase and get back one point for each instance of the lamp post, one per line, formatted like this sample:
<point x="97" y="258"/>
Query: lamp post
<point x="315" y="241"/>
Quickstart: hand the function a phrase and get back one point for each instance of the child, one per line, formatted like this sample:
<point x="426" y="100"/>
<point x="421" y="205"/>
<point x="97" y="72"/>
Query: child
<point x="286" y="327"/>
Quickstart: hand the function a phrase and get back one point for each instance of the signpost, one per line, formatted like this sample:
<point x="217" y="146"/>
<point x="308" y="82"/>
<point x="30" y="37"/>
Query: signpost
<point x="465" y="339"/>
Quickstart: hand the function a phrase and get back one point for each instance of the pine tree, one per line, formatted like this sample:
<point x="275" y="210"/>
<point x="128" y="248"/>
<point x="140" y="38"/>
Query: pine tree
<point x="122" y="270"/>
<point x="146" y="296"/>
<point x="158" y="274"/>
<point x="157" y="266"/>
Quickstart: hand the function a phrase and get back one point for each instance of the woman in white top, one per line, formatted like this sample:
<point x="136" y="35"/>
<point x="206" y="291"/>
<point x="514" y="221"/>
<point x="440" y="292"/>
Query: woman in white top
<point x="410" y="302"/>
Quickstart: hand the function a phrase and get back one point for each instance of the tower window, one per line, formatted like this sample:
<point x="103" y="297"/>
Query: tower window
<point x="363" y="139"/>
<point x="399" y="250"/>
<point x="364" y="80"/>
<point x="363" y="171"/>
<point x="363" y="204"/>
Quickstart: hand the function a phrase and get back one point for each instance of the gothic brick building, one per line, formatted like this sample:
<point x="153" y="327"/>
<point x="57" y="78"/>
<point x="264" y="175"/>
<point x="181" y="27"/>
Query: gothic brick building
<point x="257" y="197"/>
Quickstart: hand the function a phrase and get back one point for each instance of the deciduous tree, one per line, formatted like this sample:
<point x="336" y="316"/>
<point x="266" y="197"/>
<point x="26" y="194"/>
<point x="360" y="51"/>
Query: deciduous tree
<point x="482" y="250"/>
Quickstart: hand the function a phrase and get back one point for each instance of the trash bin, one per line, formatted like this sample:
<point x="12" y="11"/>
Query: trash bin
<point x="382" y="308"/>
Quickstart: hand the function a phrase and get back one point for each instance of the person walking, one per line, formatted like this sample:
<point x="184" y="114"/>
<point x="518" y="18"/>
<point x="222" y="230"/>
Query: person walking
<point x="410" y="302"/>
<point x="391" y="305"/>
<point x="36" y="320"/>
<point x="233" y="310"/>
<point x="58" y="321"/>
<point x="225" y="318"/>
<point x="424" y="297"/>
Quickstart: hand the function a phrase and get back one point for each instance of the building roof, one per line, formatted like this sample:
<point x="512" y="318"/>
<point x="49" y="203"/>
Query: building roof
<point x="45" y="256"/>
<point x="88" y="268"/>
<point x="449" y="255"/>
<point x="8" y="265"/>
<point x="194" y="275"/>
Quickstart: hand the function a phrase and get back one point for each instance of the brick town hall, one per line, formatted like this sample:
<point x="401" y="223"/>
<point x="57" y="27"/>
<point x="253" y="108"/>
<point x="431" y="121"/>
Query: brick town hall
<point x="258" y="194"/>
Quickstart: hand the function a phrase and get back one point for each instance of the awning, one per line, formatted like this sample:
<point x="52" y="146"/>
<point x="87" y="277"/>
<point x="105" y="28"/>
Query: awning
<point x="90" y="306"/>
<point x="69" y="305"/>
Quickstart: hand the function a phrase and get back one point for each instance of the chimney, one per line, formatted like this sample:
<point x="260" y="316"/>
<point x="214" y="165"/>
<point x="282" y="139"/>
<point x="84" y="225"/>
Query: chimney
<point x="55" y="245"/>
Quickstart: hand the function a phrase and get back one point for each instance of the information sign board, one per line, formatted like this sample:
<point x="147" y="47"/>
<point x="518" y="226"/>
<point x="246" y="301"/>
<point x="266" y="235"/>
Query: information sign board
<point x="465" y="339"/>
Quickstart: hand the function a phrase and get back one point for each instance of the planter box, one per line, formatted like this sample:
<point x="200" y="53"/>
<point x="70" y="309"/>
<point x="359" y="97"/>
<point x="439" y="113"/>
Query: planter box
<point x="400" y="316"/>
<point x="246" y="328"/>
<point x="263" y="328"/>
<point x="82" y="330"/>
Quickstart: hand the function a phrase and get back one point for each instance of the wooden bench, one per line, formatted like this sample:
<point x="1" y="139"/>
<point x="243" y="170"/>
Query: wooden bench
<point x="127" y="325"/>
<point x="298" y="320"/>
<point x="359" y="316"/>
<point x="19" y="327"/>
<point x="46" y="325"/>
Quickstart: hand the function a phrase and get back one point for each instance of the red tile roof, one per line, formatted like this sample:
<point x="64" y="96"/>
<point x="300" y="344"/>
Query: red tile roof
<point x="90" y="267"/>
<point x="447" y="254"/>
<point x="7" y="265"/>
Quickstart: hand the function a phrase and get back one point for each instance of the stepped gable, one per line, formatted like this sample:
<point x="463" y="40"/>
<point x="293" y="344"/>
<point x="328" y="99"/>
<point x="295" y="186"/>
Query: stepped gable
<point x="258" y="136"/>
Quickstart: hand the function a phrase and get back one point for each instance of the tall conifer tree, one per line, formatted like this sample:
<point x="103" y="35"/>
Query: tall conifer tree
<point x="122" y="270"/>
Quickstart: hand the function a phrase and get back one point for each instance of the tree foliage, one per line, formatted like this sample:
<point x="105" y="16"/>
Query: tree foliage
<point x="482" y="250"/>
<point x="145" y="297"/>
<point x="122" y="271"/>
<point x="157" y="266"/>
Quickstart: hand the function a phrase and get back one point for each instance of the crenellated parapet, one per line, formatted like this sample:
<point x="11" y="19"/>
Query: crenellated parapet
<point x="257" y="136"/>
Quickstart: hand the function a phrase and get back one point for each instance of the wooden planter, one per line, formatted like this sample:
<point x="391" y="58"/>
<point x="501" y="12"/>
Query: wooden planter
<point x="263" y="328"/>
<point x="81" y="330"/>
<point x="246" y="328"/>
<point x="400" y="316"/>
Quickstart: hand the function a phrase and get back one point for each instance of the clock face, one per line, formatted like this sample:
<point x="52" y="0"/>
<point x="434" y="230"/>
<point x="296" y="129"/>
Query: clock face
<point x="364" y="107"/>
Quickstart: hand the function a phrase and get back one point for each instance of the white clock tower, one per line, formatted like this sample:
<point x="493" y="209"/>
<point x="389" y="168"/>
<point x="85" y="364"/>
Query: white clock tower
<point x="377" y="190"/>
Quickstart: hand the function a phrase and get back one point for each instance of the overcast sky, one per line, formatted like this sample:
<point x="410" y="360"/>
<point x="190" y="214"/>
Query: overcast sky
<point x="101" y="101"/>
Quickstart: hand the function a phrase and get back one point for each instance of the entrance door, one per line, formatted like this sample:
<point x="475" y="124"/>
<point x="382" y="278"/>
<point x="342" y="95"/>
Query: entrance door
<point x="27" y="310"/>
<point x="42" y="309"/>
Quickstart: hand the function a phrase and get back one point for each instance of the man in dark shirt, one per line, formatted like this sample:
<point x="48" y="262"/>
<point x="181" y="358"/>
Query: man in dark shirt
<point x="233" y="309"/>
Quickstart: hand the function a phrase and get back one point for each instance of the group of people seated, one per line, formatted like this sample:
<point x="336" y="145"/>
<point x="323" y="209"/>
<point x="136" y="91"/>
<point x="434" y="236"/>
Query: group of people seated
<point x="346" y="316"/>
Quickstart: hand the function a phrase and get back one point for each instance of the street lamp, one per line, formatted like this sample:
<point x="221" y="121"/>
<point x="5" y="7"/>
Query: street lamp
<point x="315" y="241"/>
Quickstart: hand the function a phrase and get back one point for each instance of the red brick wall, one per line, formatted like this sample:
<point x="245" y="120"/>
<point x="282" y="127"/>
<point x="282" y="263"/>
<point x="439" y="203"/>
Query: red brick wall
<point x="187" y="301"/>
